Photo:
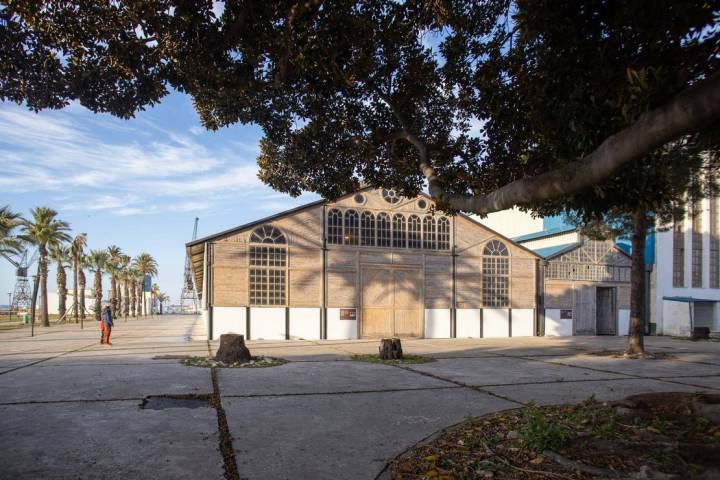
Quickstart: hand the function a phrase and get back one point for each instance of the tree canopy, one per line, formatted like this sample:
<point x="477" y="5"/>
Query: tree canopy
<point x="491" y="103"/>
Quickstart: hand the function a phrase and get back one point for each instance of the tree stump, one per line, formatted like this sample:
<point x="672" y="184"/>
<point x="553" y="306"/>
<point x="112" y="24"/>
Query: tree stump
<point x="232" y="349"/>
<point x="700" y="333"/>
<point x="390" y="349"/>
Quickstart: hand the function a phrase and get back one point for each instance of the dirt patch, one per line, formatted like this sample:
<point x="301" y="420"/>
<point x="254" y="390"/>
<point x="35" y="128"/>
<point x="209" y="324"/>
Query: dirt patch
<point x="639" y="356"/>
<point x="255" y="362"/>
<point x="407" y="359"/>
<point x="650" y="436"/>
<point x="163" y="402"/>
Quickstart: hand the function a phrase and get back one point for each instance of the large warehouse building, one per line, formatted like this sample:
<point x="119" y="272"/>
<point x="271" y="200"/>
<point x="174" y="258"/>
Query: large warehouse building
<point x="371" y="264"/>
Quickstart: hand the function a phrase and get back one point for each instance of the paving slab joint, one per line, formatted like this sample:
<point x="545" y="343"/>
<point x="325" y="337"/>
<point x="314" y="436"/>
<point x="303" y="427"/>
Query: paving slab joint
<point x="225" y="438"/>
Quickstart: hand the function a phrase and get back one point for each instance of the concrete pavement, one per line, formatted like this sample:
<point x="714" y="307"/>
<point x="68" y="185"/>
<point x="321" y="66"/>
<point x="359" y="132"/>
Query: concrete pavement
<point x="70" y="408"/>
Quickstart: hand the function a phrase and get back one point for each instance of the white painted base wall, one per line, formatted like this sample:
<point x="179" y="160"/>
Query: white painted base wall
<point x="228" y="320"/>
<point x="304" y="324"/>
<point x="555" y="326"/>
<point x="340" y="329"/>
<point x="623" y="322"/>
<point x="496" y="322"/>
<point x="267" y="323"/>
<point x="676" y="318"/>
<point x="437" y="323"/>
<point x="205" y="317"/>
<point x="523" y="322"/>
<point x="467" y="323"/>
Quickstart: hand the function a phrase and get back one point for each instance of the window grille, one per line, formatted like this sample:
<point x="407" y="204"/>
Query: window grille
<point x="399" y="231"/>
<point x="268" y="263"/>
<point x="367" y="229"/>
<point x="443" y="233"/>
<point x="391" y="196"/>
<point x="697" y="247"/>
<point x="714" y="242"/>
<point x="429" y="233"/>
<point x="334" y="226"/>
<point x="352" y="227"/>
<point x="496" y="275"/>
<point x="678" y="252"/>
<point x="384" y="238"/>
<point x="414" y="232"/>
<point x="582" y="271"/>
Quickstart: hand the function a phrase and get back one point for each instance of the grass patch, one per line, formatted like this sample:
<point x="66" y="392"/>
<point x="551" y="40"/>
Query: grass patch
<point x="674" y="434"/>
<point x="256" y="362"/>
<point x="406" y="360"/>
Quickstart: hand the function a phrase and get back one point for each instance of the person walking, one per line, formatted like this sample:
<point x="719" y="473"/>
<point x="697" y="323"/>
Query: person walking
<point x="106" y="325"/>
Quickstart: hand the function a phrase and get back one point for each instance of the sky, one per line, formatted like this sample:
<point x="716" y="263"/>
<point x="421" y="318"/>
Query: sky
<point x="137" y="183"/>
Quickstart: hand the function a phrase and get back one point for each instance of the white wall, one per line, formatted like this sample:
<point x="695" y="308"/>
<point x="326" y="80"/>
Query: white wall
<point x="304" y="324"/>
<point x="496" y="322"/>
<point x="512" y="222"/>
<point x="437" y="323"/>
<point x="565" y="238"/>
<point x="467" y="323"/>
<point x="555" y="326"/>
<point x="228" y="320"/>
<point x="676" y="318"/>
<point x="623" y="322"/>
<point x="523" y="322"/>
<point x="340" y="329"/>
<point x="267" y="323"/>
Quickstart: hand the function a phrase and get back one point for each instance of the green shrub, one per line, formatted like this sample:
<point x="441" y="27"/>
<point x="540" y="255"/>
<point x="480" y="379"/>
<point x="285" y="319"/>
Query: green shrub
<point x="542" y="432"/>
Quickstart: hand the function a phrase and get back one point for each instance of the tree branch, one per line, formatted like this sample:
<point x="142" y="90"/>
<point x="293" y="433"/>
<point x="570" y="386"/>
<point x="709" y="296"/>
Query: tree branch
<point x="688" y="112"/>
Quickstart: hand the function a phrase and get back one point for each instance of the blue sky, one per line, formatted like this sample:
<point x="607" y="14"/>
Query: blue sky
<point x="135" y="183"/>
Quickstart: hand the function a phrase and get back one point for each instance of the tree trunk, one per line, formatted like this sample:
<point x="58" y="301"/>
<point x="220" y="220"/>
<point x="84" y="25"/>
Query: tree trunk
<point x="126" y="294"/>
<point x="113" y="297"/>
<point x="133" y="298"/>
<point x="390" y="349"/>
<point x="98" y="294"/>
<point x="232" y="349"/>
<point x="636" y="341"/>
<point x="81" y="296"/>
<point x="76" y="305"/>
<point x="138" y="307"/>
<point x="62" y="290"/>
<point x="44" y="317"/>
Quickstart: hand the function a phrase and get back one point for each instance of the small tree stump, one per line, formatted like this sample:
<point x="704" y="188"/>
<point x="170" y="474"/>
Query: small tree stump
<point x="232" y="349"/>
<point x="700" y="333"/>
<point x="390" y="349"/>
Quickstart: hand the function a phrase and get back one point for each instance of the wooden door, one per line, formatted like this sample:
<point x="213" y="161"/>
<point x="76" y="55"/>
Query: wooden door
<point x="377" y="302"/>
<point x="408" y="311"/>
<point x="605" y="308"/>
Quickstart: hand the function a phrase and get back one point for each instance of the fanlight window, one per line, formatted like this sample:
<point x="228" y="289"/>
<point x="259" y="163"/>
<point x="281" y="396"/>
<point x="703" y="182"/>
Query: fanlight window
<point x="495" y="274"/>
<point x="367" y="229"/>
<point x="352" y="228"/>
<point x="399" y="231"/>
<point x="414" y="235"/>
<point x="268" y="264"/>
<point x="335" y="226"/>
<point x="384" y="238"/>
<point x="391" y="196"/>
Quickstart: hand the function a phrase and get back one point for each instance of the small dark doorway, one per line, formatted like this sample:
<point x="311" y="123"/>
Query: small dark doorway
<point x="605" y="311"/>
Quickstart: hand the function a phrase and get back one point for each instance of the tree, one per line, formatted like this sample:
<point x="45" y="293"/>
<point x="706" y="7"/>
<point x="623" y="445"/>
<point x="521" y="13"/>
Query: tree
<point x="76" y="252"/>
<point x="145" y="264"/>
<point x="97" y="261"/>
<point x="10" y="244"/>
<point x="82" y="262"/>
<point x="123" y="289"/>
<point x="60" y="253"/>
<point x="162" y="298"/>
<point x="134" y="278"/>
<point x="45" y="231"/>
<point x="112" y="268"/>
<point x="154" y="292"/>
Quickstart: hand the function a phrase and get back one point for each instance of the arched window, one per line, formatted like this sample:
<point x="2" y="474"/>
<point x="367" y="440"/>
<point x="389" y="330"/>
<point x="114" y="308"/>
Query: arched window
<point x="443" y="233"/>
<point x="495" y="274"/>
<point x="334" y="227"/>
<point x="429" y="233"/>
<point x="414" y="233"/>
<point x="384" y="238"/>
<point x="352" y="228"/>
<point x="399" y="231"/>
<point x="268" y="264"/>
<point x="367" y="229"/>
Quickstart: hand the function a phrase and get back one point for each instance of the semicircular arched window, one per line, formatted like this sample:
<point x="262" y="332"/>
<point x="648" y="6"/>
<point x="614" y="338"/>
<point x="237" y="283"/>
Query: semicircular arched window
<point x="267" y="234"/>
<point x="334" y="227"/>
<point x="443" y="233"/>
<point x="268" y="266"/>
<point x="352" y="228"/>
<point x="414" y="232"/>
<point x="496" y="275"/>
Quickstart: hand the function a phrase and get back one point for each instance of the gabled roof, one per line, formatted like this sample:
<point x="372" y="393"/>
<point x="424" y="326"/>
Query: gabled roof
<point x="556" y="250"/>
<point x="551" y="232"/>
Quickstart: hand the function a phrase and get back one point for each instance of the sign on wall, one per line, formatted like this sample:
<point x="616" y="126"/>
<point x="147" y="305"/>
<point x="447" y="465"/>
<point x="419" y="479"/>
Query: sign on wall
<point x="348" y="314"/>
<point x="566" y="314"/>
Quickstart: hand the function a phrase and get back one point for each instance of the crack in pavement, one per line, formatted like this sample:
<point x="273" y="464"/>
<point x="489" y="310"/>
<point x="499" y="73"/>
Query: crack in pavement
<point x="341" y="392"/>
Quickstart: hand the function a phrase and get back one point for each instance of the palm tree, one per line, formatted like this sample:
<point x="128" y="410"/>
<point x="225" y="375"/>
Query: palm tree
<point x="154" y="291"/>
<point x="82" y="262"/>
<point x="112" y="267"/>
<point x="146" y="265"/>
<point x="44" y="230"/>
<point x="133" y="279"/>
<point x="97" y="261"/>
<point x="61" y="254"/>
<point x="76" y="252"/>
<point x="125" y="279"/>
<point x="162" y="298"/>
<point x="9" y="243"/>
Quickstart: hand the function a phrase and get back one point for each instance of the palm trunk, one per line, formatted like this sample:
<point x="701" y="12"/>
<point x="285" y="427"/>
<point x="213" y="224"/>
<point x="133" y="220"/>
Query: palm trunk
<point x="81" y="297"/>
<point x="98" y="294"/>
<point x="113" y="297"/>
<point x="133" y="298"/>
<point x="75" y="288"/>
<point x="636" y="341"/>
<point x="138" y="307"/>
<point x="126" y="304"/>
<point x="62" y="290"/>
<point x="43" y="268"/>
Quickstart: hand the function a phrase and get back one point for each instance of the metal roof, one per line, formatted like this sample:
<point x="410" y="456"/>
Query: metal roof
<point x="543" y="234"/>
<point x="555" y="250"/>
